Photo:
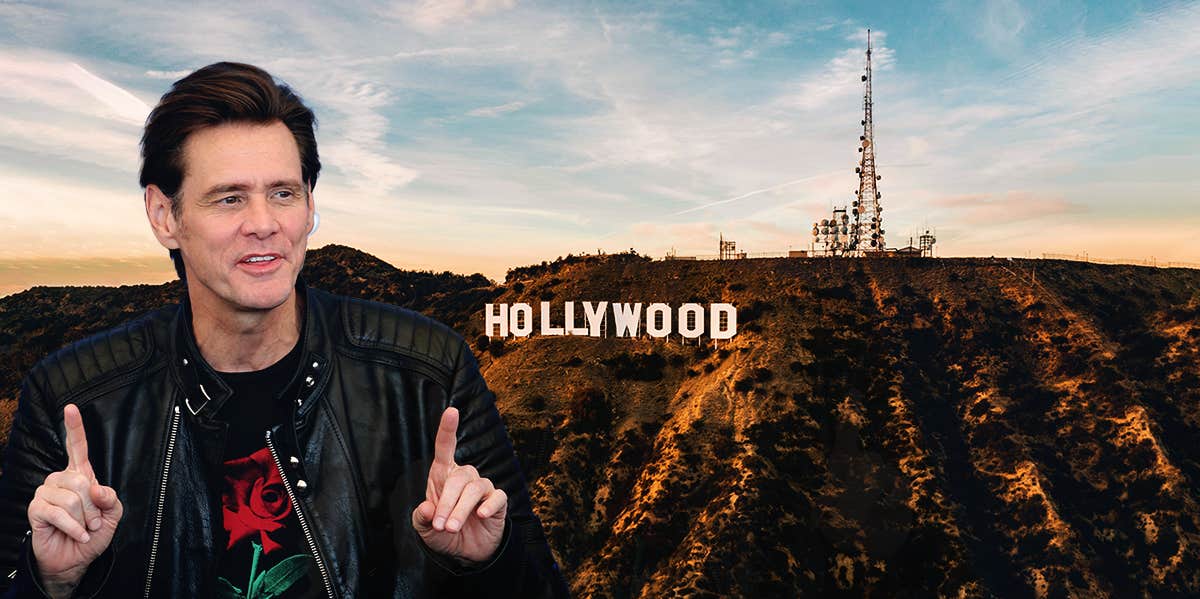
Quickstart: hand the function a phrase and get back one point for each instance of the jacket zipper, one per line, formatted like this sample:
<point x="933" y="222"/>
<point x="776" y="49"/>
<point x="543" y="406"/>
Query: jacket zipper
<point x="162" y="498"/>
<point x="312" y="543"/>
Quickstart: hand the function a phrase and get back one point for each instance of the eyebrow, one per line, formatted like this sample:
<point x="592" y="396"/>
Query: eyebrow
<point x="228" y="187"/>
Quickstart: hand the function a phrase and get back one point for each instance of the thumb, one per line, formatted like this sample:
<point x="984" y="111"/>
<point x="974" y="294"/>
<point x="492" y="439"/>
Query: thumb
<point x="423" y="516"/>
<point x="105" y="498"/>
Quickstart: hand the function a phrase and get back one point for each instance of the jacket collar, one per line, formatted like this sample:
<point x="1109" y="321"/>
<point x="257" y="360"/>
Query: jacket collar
<point x="203" y="389"/>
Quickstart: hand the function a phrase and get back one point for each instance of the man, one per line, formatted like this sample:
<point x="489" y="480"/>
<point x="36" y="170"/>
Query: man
<point x="261" y="439"/>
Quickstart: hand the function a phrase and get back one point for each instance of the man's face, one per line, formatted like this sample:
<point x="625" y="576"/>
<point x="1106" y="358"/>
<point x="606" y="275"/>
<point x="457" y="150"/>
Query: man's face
<point x="245" y="215"/>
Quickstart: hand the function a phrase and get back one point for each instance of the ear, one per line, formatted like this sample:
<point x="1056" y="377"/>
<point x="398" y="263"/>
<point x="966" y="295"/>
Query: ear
<point x="162" y="219"/>
<point x="312" y="207"/>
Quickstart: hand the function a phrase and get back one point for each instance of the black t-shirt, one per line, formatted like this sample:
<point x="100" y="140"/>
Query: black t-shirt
<point x="266" y="554"/>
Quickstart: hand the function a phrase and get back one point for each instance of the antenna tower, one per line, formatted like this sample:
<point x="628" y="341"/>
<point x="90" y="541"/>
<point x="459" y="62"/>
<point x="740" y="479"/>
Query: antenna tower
<point x="868" y="225"/>
<point x="859" y="233"/>
<point x="727" y="248"/>
<point x="927" y="241"/>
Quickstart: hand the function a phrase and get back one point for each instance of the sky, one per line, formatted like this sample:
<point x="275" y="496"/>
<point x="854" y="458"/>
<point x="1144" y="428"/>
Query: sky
<point x="480" y="135"/>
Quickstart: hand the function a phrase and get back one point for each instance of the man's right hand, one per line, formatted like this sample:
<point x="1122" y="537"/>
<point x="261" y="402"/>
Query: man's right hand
<point x="72" y="516"/>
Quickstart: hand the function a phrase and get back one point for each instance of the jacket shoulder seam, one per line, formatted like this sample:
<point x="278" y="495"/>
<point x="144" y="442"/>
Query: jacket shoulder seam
<point x="64" y="374"/>
<point x="391" y="323"/>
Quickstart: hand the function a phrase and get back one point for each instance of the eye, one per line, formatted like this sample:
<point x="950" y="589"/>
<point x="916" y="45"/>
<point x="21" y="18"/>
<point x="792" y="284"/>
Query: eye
<point x="229" y="200"/>
<point x="284" y="194"/>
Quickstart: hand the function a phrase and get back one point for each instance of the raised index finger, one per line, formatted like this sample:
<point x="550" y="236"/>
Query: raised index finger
<point x="77" y="448"/>
<point x="447" y="438"/>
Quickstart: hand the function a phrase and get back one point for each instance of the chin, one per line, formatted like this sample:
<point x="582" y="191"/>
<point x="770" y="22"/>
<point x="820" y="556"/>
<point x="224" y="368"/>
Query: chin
<point x="265" y="297"/>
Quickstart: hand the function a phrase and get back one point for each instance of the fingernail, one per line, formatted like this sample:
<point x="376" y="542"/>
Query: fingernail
<point x="452" y="525"/>
<point x="439" y="523"/>
<point x="94" y="524"/>
<point x="86" y="537"/>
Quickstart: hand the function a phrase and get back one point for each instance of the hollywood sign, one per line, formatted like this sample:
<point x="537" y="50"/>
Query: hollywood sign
<point x="502" y="320"/>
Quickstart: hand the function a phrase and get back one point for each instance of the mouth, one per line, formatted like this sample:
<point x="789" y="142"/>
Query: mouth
<point x="260" y="262"/>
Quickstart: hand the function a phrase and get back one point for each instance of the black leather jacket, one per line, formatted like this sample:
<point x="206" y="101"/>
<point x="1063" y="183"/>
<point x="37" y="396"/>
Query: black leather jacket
<point x="373" y="383"/>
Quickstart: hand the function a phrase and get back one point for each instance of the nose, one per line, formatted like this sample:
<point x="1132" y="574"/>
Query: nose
<point x="260" y="218"/>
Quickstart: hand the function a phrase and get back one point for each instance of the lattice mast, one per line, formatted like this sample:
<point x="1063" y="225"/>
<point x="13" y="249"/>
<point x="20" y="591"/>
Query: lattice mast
<point x="867" y="233"/>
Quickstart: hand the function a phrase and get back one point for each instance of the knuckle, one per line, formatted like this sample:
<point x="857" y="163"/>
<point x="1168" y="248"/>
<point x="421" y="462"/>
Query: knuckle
<point x="465" y="473"/>
<point x="75" y="480"/>
<point x="71" y="502"/>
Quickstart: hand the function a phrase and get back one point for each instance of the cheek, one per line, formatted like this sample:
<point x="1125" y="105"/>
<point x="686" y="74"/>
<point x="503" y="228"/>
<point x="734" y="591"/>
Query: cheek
<point x="213" y="240"/>
<point x="297" y="228"/>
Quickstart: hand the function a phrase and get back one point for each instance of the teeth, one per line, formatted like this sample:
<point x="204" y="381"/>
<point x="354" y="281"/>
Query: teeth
<point x="260" y="259"/>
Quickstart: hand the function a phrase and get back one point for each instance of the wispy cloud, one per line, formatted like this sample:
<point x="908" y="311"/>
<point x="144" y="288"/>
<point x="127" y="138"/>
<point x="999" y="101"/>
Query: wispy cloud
<point x="757" y="192"/>
<point x="1155" y="54"/>
<point x="64" y="85"/>
<point x="171" y="75"/>
<point x="494" y="111"/>
<point x="359" y="151"/>
<point x="839" y="80"/>
<point x="434" y="14"/>
<point x="55" y="108"/>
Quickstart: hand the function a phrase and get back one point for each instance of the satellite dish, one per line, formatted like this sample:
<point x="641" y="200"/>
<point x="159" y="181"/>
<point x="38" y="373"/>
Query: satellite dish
<point x="864" y="77"/>
<point x="866" y="143"/>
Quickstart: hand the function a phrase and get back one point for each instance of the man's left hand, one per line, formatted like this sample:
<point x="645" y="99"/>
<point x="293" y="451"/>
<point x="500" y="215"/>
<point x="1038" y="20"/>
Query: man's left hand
<point x="463" y="513"/>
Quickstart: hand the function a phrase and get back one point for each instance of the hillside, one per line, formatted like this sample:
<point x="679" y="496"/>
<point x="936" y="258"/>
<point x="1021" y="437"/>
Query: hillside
<point x="878" y="428"/>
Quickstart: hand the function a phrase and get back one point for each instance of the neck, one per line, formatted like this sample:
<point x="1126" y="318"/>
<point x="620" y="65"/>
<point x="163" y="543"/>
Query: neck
<point x="246" y="341"/>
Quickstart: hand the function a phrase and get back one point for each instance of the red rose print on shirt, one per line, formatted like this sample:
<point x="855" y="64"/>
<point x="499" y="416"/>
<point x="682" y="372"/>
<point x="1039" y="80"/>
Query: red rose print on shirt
<point x="254" y="500"/>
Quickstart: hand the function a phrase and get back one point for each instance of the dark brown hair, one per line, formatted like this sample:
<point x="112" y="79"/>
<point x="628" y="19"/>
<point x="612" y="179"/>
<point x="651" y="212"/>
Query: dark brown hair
<point x="223" y="92"/>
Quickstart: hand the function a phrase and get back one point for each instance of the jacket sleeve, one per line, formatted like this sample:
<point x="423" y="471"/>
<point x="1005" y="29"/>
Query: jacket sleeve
<point x="523" y="566"/>
<point x="34" y="450"/>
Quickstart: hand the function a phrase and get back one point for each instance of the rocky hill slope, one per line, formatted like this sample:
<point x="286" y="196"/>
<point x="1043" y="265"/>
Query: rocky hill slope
<point x="878" y="428"/>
